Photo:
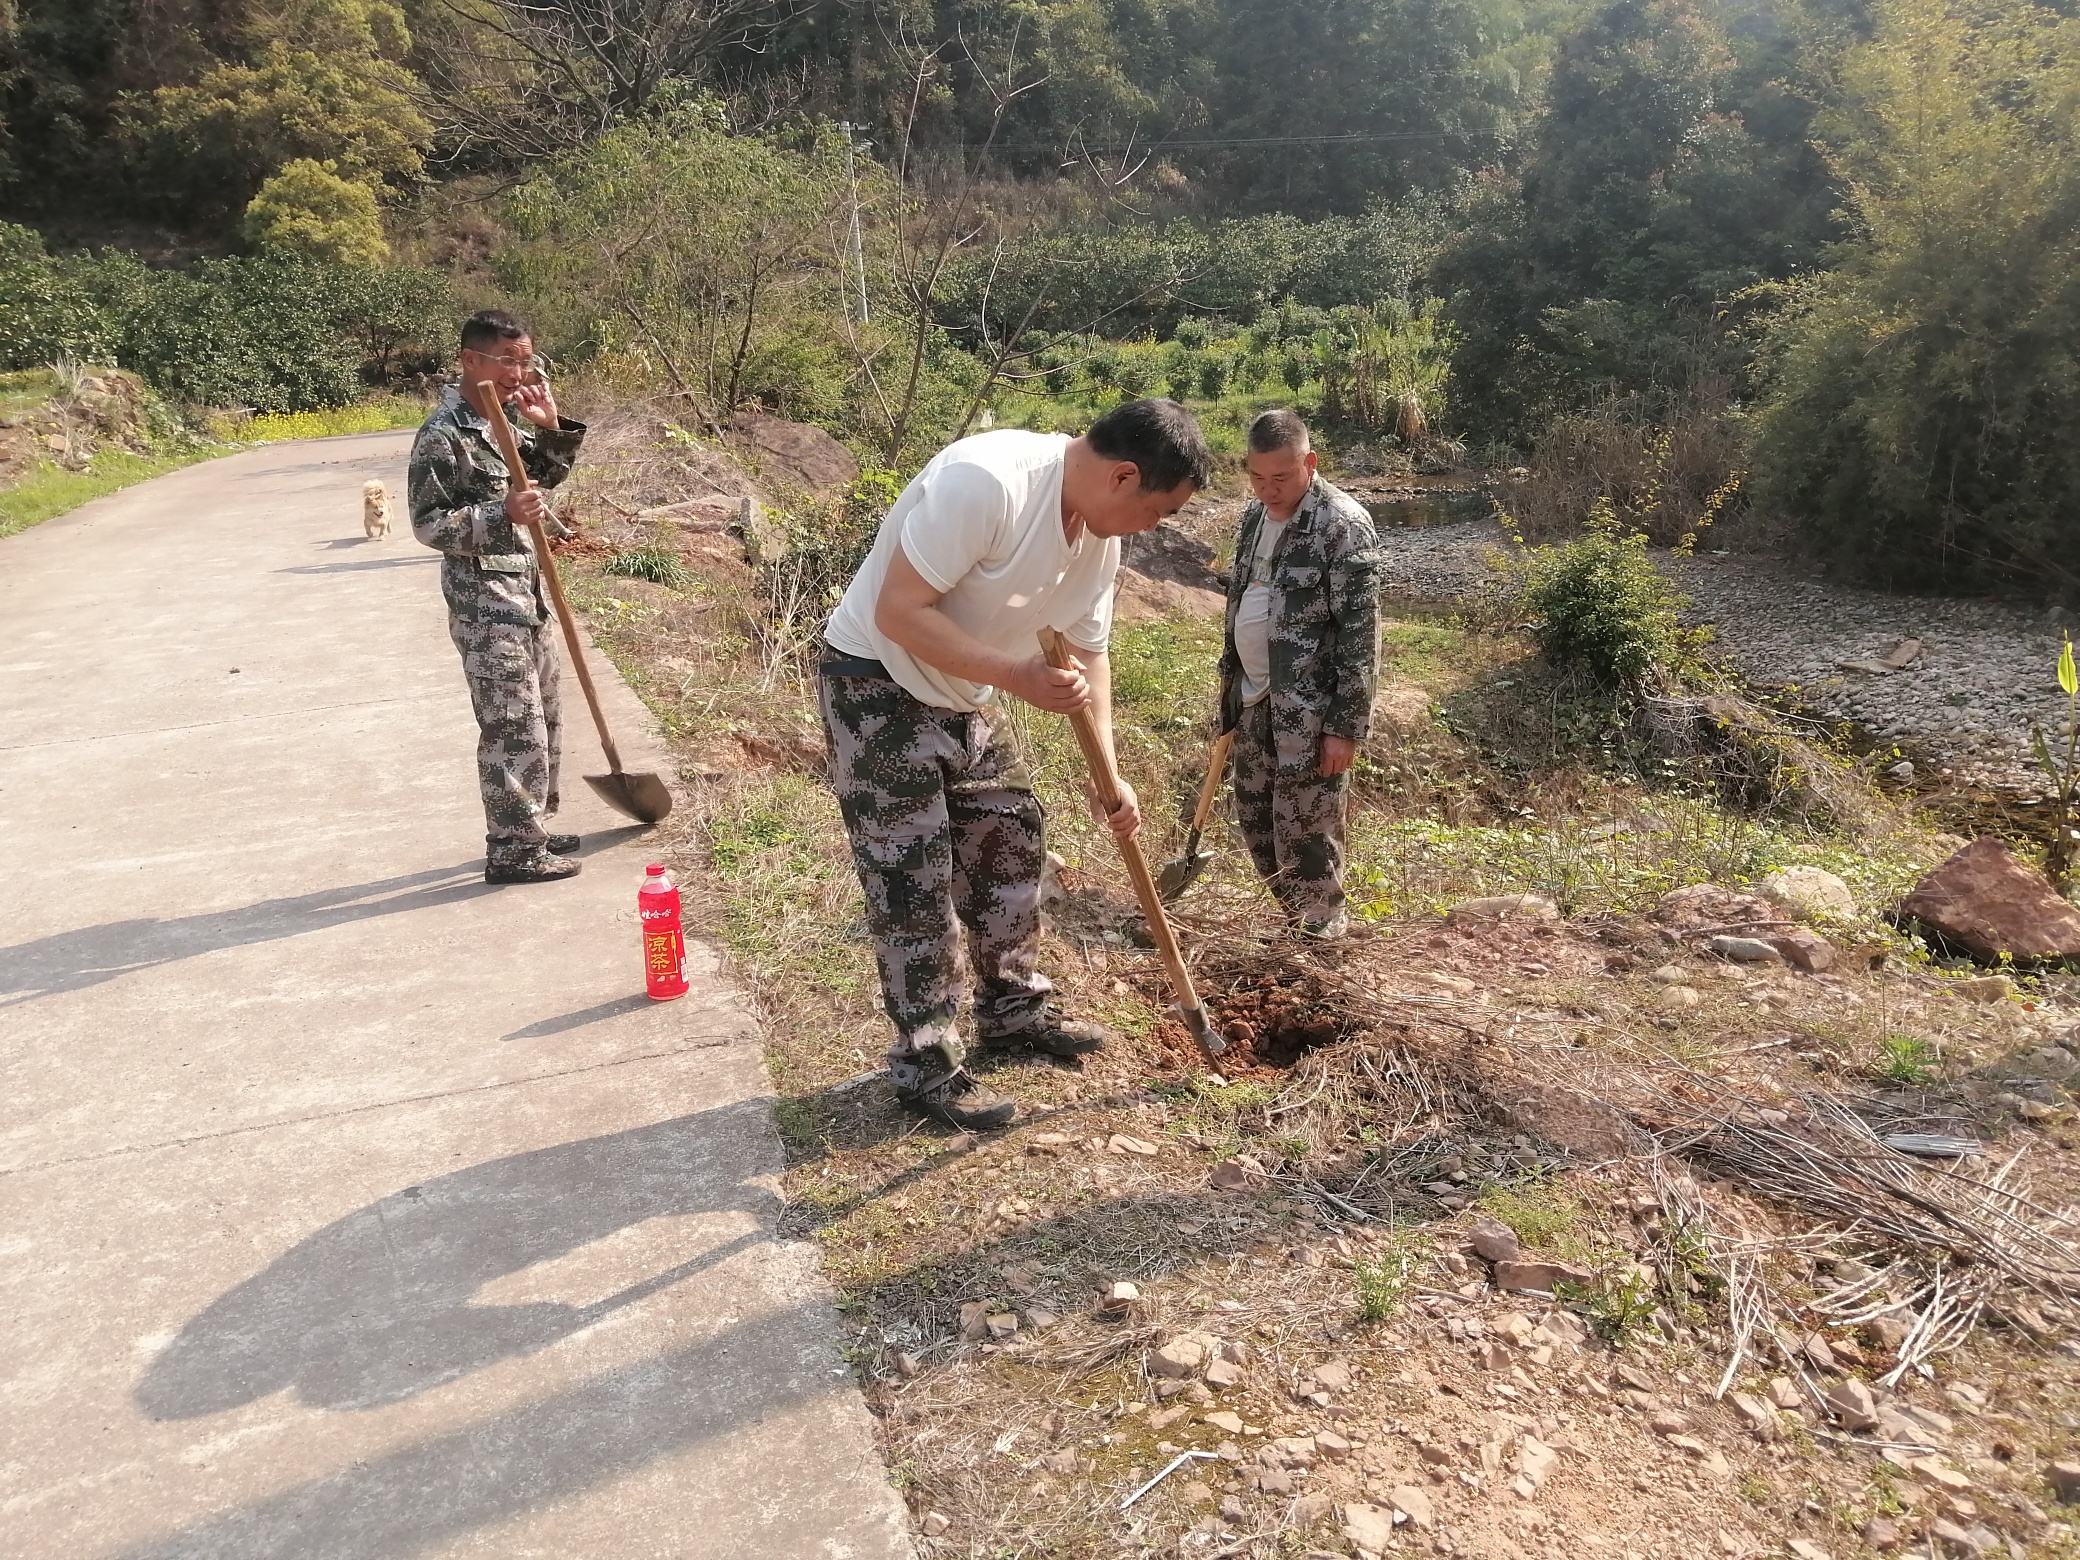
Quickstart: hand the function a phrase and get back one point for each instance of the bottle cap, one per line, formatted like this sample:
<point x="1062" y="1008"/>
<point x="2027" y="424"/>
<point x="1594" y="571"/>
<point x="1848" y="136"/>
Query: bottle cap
<point x="655" y="869"/>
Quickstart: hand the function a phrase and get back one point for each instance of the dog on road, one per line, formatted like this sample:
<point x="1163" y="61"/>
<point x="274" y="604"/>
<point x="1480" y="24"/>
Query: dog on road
<point x="375" y="509"/>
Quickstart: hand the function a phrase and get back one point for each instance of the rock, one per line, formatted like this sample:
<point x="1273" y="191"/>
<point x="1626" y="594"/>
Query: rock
<point x="1228" y="1176"/>
<point x="1805" y="1549"/>
<point x="1458" y="985"/>
<point x="1938" y="1474"/>
<point x="1669" y="975"/>
<point x="1536" y="1460"/>
<point x="1982" y="988"/>
<point x="1331" y="1445"/>
<point x="1537" y="1275"/>
<point x="1760" y="1416"/>
<point x="793" y="454"/>
<point x="1566" y="1327"/>
<point x="1001" y="1325"/>
<point x="1809" y="894"/>
<point x="1668" y="1421"/>
<point x="974" y="1320"/>
<point x="1882" y="1534"/>
<point x="1120" y="1143"/>
<point x="2036" y="1110"/>
<point x="1504" y="907"/>
<point x="1820" y="1354"/>
<point x="1493" y="1356"/>
<point x="1803" y="950"/>
<point x="1782" y="1394"/>
<point x="1223" y="1374"/>
<point x="1988" y="900"/>
<point x="1887" y="1332"/>
<point x="1414" y="1504"/>
<point x="1039" y="1318"/>
<point x="1223" y="1421"/>
<point x="1164" y="1418"/>
<point x="1121" y="1296"/>
<point x="1494" y="1242"/>
<point x="1707" y="904"/>
<point x="1332" y="1376"/>
<point x="935" y="1523"/>
<point x="1368" y="1526"/>
<point x="1310" y="1509"/>
<point x="1954" y="1539"/>
<point x="1902" y="771"/>
<point x="1678" y="997"/>
<point x="1274" y="1481"/>
<point x="1632" y="1378"/>
<point x="1232" y="1510"/>
<point x="1179" y="1358"/>
<point x="1852" y="1403"/>
<point x="1745" y="950"/>
<point x="2064" y="1479"/>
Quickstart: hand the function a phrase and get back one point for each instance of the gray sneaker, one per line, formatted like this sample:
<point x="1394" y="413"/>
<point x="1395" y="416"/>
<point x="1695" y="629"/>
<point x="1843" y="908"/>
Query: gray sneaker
<point x="1052" y="1031"/>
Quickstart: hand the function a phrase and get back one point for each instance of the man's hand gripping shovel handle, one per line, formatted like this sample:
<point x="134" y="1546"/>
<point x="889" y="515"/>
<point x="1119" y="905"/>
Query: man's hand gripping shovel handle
<point x="1211" y="1042"/>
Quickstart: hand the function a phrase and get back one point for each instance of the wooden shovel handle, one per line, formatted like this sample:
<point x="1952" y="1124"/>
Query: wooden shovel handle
<point x="1216" y="771"/>
<point x="509" y="447"/>
<point x="1106" y="779"/>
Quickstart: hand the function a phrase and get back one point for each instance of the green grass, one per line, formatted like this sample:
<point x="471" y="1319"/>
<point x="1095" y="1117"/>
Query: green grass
<point x="1539" y="1213"/>
<point x="50" y="491"/>
<point x="1902" y="1059"/>
<point x="377" y="414"/>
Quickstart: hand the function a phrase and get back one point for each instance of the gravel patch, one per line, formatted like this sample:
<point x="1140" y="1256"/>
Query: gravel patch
<point x="1986" y="671"/>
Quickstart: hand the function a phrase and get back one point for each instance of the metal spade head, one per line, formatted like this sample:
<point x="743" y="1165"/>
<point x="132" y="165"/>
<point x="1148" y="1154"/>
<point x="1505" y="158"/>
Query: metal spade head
<point x="1210" y="1040"/>
<point x="640" y="796"/>
<point x="1181" y="874"/>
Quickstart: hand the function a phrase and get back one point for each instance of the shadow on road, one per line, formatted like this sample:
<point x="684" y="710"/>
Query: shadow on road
<point x="578" y="1020"/>
<point x="380" y="1306"/>
<point x="71" y="961"/>
<point x="360" y="564"/>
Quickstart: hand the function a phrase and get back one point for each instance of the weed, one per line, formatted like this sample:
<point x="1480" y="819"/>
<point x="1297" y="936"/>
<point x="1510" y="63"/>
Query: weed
<point x="1538" y="1212"/>
<point x="1620" y="1300"/>
<point x="1905" y="1060"/>
<point x="1383" y="1280"/>
<point x="658" y="565"/>
<point x="1756" y="1490"/>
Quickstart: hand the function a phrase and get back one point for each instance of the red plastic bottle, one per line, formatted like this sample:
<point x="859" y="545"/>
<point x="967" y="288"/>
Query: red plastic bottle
<point x="664" y="940"/>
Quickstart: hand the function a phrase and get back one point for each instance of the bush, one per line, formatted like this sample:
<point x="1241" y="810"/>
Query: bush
<point x="309" y="211"/>
<point x="1669" y="480"/>
<point x="1602" y="609"/>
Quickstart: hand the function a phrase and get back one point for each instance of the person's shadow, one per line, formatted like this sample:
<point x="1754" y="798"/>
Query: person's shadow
<point x="89" y="955"/>
<point x="381" y="1305"/>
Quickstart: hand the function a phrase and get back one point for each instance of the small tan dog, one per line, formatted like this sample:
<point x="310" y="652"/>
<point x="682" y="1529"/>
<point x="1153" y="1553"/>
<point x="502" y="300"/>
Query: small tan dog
<point x="375" y="509"/>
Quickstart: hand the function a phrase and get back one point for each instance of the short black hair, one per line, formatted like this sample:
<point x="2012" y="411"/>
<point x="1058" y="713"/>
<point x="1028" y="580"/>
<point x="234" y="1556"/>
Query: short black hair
<point x="488" y="327"/>
<point x="1161" y="438"/>
<point x="1278" y="429"/>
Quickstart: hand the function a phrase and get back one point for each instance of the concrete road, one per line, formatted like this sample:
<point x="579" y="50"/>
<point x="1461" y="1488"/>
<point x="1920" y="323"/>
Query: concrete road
<point x="348" y="1207"/>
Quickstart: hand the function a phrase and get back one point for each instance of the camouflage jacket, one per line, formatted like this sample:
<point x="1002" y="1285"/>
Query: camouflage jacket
<point x="458" y="486"/>
<point x="1324" y="624"/>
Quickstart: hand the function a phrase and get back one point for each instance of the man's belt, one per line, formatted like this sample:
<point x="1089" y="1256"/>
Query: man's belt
<point x="836" y="663"/>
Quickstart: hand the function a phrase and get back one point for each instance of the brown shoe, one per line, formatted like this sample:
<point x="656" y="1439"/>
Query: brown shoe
<point x="958" y="1100"/>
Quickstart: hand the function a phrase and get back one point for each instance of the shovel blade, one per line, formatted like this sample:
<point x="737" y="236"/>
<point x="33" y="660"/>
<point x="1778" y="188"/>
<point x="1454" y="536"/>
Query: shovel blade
<point x="1181" y="874"/>
<point x="640" y="796"/>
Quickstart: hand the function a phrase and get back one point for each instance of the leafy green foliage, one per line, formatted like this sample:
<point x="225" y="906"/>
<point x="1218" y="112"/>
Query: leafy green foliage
<point x="659" y="565"/>
<point x="1920" y="428"/>
<point x="1903" y="1059"/>
<point x="309" y="211"/>
<point x="1601" y="606"/>
<point x="2063" y="770"/>
<point x="1382" y="1281"/>
<point x="1538" y="1212"/>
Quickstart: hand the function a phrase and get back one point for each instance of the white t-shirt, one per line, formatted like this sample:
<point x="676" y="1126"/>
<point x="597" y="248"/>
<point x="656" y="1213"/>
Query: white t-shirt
<point x="1253" y="616"/>
<point x="983" y="523"/>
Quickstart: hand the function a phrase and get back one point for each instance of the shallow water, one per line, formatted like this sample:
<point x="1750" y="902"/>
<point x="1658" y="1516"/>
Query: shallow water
<point x="1416" y="511"/>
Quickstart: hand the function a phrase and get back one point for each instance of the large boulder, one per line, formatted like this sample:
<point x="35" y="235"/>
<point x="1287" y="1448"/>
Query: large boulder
<point x="1989" y="901"/>
<point x="791" y="454"/>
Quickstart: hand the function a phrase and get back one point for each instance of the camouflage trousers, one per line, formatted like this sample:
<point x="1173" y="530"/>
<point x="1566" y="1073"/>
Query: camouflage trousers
<point x="1293" y="824"/>
<point x="946" y="836"/>
<point x="512" y="673"/>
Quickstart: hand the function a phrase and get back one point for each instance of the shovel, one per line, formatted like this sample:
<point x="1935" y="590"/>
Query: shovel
<point x="1181" y="874"/>
<point x="1210" y="1040"/>
<point x="642" y="797"/>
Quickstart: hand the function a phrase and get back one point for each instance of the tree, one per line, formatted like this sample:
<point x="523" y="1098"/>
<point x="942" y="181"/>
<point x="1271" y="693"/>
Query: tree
<point x="308" y="210"/>
<point x="1920" y="426"/>
<point x="322" y="81"/>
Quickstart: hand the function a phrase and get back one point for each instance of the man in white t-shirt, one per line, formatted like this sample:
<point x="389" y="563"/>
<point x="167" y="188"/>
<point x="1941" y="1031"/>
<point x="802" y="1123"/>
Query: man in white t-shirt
<point x="1299" y="668"/>
<point x="1001" y="535"/>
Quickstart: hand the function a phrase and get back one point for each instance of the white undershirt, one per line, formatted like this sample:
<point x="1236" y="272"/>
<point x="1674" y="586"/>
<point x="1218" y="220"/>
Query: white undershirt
<point x="983" y="523"/>
<point x="1253" y="615"/>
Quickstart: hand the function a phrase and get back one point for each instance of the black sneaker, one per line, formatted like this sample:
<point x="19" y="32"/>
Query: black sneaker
<point x="1052" y="1032"/>
<point x="959" y="1101"/>
<point x="538" y="867"/>
<point x="562" y="844"/>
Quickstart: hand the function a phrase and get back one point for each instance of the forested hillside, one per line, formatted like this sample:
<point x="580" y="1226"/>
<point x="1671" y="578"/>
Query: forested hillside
<point x="1809" y="265"/>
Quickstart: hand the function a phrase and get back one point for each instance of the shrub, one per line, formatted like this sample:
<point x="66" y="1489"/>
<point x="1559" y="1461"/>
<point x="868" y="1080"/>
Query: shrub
<point x="309" y="211"/>
<point x="1602" y="609"/>
<point x="1670" y="480"/>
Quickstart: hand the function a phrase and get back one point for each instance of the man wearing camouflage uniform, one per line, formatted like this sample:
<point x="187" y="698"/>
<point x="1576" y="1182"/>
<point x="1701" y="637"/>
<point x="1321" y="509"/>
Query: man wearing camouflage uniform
<point x="464" y="504"/>
<point x="1001" y="535"/>
<point x="1298" y="669"/>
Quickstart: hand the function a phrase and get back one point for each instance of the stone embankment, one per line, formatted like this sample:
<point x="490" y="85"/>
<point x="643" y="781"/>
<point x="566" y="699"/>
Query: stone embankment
<point x="1984" y="672"/>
